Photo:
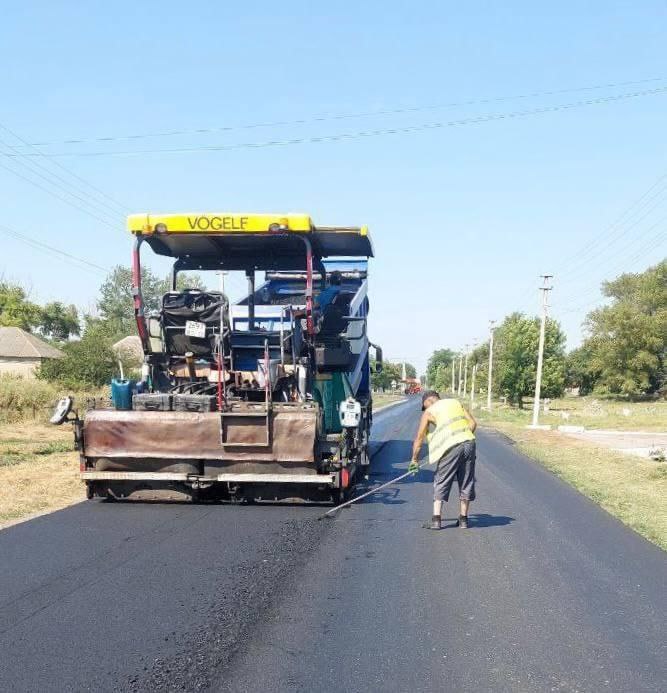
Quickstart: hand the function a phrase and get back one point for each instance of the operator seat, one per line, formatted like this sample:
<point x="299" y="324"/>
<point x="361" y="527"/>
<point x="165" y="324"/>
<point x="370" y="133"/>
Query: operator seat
<point x="210" y="308"/>
<point x="332" y="349"/>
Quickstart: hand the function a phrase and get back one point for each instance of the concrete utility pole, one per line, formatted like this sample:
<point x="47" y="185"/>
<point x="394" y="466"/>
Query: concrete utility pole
<point x="453" y="374"/>
<point x="465" y="373"/>
<point x="488" y="393"/>
<point x="222" y="274"/>
<point x="460" y="374"/>
<point x="545" y="289"/>
<point x="472" y="389"/>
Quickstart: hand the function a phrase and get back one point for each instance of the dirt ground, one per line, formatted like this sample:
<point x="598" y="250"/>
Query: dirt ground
<point x="38" y="470"/>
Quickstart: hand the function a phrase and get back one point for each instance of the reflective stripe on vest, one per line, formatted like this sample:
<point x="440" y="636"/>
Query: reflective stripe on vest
<point x="451" y="428"/>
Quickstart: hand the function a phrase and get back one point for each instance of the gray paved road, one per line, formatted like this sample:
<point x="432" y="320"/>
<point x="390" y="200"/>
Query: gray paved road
<point x="544" y="592"/>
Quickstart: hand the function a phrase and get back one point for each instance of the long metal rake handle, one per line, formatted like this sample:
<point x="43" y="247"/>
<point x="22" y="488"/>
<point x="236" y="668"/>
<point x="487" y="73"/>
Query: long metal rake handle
<point x="371" y="492"/>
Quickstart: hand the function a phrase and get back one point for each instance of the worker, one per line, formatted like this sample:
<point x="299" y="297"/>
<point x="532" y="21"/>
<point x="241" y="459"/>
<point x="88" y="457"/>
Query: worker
<point x="450" y="432"/>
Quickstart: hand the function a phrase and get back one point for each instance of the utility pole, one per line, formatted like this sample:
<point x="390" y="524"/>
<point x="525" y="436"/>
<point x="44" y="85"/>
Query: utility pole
<point x="465" y="373"/>
<point x="472" y="389"/>
<point x="488" y="392"/>
<point x="545" y="289"/>
<point x="460" y="373"/>
<point x="222" y="274"/>
<point x="453" y="374"/>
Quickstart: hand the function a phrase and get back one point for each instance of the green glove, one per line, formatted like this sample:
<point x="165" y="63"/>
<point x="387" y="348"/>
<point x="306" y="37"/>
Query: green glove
<point x="413" y="467"/>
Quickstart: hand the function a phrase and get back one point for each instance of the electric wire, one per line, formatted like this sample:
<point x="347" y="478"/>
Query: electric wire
<point x="59" y="197"/>
<point x="632" y="248"/>
<point x="423" y="127"/>
<point x="63" y="255"/>
<point x="628" y="263"/>
<point x="30" y="165"/>
<point x="342" y="116"/>
<point x="605" y="242"/>
<point x="117" y="207"/>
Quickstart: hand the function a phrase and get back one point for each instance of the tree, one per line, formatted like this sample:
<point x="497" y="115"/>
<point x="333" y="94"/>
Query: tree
<point x="58" y="321"/>
<point x="628" y="339"/>
<point x="391" y="372"/>
<point x="579" y="370"/>
<point x="441" y="360"/>
<point x="116" y="302"/>
<point x="15" y="308"/>
<point x="515" y="364"/>
<point x="88" y="362"/>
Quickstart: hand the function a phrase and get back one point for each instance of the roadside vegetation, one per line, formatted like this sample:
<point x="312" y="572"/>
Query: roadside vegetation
<point x="592" y="412"/>
<point x="38" y="470"/>
<point x="382" y="399"/>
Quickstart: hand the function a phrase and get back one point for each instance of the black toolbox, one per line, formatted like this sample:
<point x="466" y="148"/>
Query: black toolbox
<point x="152" y="401"/>
<point x="194" y="403"/>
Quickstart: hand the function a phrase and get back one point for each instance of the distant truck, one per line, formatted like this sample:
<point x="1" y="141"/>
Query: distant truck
<point x="264" y="399"/>
<point x="411" y="386"/>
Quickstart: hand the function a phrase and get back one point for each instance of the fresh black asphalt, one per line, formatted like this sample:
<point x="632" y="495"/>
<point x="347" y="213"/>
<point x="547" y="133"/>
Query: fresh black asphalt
<point x="544" y="592"/>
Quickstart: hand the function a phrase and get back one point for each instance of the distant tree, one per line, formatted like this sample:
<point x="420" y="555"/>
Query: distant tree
<point x="628" y="339"/>
<point x="15" y="308"/>
<point x="438" y="365"/>
<point x="515" y="363"/>
<point x="579" y="370"/>
<point x="391" y="372"/>
<point x="116" y="303"/>
<point x="58" y="321"/>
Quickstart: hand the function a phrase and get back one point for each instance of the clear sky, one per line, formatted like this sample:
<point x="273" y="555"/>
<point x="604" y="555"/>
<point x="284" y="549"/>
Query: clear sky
<point x="464" y="217"/>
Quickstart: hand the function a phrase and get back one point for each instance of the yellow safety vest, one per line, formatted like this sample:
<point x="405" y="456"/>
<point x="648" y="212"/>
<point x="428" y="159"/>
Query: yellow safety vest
<point x="451" y="428"/>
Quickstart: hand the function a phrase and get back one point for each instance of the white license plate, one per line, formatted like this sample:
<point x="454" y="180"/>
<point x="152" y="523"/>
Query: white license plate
<point x="195" y="329"/>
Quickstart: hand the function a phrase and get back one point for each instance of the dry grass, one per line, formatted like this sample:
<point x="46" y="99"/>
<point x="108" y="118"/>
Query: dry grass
<point x="38" y="470"/>
<point x="591" y="412"/>
<point x="381" y="399"/>
<point x="631" y="488"/>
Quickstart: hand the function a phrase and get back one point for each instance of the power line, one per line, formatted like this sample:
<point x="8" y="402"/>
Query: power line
<point x="601" y="236"/>
<point x="628" y="263"/>
<point x="632" y="246"/>
<point x="363" y="133"/>
<point x="68" y="257"/>
<point x="53" y="178"/>
<point x="118" y="206"/>
<point x="604" y="242"/>
<point x="57" y="196"/>
<point x="340" y="116"/>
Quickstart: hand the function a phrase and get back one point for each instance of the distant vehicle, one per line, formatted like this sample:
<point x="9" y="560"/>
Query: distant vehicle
<point x="258" y="400"/>
<point x="411" y="386"/>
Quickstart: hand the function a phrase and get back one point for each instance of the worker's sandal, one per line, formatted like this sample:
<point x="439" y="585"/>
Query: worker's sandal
<point x="463" y="522"/>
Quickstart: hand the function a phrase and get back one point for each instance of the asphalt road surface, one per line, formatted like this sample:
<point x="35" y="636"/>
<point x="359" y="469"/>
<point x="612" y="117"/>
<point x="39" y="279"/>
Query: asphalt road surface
<point x="544" y="592"/>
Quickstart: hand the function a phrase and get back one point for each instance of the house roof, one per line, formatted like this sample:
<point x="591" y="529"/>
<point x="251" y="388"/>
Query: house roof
<point x="131" y="347"/>
<point x="17" y="343"/>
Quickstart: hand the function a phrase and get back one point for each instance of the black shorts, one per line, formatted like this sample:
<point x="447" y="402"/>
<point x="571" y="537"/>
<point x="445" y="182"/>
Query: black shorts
<point x="457" y="463"/>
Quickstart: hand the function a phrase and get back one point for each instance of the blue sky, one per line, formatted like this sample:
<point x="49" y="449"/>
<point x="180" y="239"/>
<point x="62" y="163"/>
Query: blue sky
<point x="464" y="218"/>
